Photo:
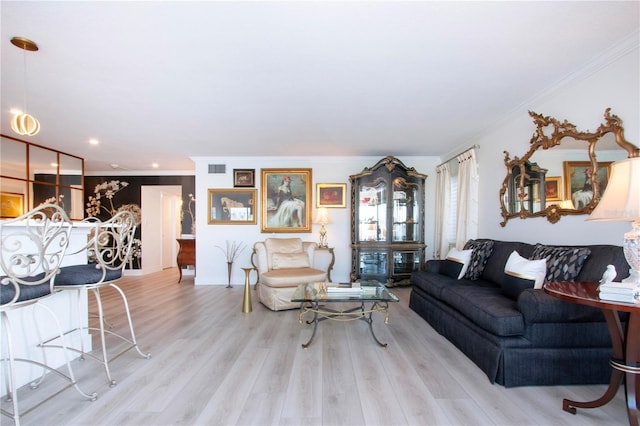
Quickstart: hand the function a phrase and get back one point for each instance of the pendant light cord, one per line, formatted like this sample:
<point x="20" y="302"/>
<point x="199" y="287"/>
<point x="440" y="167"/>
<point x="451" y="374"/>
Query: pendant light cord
<point x="24" y="63"/>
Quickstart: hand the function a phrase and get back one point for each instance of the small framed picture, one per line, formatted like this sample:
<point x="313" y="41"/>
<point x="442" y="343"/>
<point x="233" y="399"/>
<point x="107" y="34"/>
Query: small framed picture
<point x="244" y="178"/>
<point x="331" y="195"/>
<point x="11" y="204"/>
<point x="553" y="188"/>
<point x="232" y="207"/>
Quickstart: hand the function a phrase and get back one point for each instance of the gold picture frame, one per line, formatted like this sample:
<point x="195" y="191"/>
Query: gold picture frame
<point x="577" y="181"/>
<point x="286" y="200"/>
<point x="332" y="195"/>
<point x="553" y="188"/>
<point x="232" y="206"/>
<point x="11" y="204"/>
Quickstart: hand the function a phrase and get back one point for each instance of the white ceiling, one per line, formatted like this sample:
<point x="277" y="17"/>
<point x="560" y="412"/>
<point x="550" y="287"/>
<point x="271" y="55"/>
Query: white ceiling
<point x="163" y="81"/>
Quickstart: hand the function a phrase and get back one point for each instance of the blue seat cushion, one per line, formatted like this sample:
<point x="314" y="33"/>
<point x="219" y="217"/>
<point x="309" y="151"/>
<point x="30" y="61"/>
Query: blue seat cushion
<point x="486" y="307"/>
<point x="85" y="275"/>
<point x="27" y="292"/>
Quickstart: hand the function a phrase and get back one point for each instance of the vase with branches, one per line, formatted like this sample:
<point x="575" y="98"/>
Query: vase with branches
<point x="231" y="250"/>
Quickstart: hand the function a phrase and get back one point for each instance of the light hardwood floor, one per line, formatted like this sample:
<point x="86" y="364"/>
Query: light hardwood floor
<point x="212" y="364"/>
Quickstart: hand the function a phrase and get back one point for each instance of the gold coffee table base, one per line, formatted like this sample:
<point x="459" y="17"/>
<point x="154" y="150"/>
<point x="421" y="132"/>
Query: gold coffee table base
<point x="357" y="313"/>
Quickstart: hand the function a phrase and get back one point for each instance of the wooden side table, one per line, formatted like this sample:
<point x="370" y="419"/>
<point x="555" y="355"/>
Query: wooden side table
<point x="626" y="344"/>
<point x="186" y="253"/>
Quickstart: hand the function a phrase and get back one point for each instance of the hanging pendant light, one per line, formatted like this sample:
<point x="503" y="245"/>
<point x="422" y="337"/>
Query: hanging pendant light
<point x="23" y="123"/>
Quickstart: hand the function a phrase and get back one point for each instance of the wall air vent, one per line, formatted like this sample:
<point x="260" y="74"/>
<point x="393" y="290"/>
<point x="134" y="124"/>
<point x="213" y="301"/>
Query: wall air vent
<point x="217" y="168"/>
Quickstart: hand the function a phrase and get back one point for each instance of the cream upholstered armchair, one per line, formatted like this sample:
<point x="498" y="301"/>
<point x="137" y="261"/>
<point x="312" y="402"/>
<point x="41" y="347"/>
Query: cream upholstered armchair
<point x="282" y="264"/>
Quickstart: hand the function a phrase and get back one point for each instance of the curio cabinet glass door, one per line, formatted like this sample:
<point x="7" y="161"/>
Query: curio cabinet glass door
<point x="387" y="222"/>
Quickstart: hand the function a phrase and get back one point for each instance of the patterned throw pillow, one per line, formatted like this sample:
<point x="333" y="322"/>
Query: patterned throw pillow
<point x="481" y="251"/>
<point x="563" y="263"/>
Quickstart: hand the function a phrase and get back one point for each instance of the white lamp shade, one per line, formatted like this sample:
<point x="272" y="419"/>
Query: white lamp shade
<point x="322" y="218"/>
<point x="621" y="199"/>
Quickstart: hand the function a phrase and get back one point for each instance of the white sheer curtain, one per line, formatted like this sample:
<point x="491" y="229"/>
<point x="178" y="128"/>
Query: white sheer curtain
<point x="443" y="204"/>
<point x="467" y="222"/>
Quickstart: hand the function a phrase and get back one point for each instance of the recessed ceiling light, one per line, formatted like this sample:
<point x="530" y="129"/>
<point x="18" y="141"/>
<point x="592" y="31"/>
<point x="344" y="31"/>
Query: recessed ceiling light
<point x="54" y="164"/>
<point x="155" y="165"/>
<point x="114" y="166"/>
<point x="94" y="141"/>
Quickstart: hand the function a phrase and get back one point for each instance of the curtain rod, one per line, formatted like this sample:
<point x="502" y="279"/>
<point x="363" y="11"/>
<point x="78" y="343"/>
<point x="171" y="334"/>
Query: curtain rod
<point x="457" y="155"/>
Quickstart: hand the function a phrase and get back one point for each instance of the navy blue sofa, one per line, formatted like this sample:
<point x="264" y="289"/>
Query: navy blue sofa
<point x="534" y="340"/>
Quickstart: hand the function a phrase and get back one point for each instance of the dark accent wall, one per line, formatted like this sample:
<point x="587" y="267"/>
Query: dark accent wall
<point x="131" y="194"/>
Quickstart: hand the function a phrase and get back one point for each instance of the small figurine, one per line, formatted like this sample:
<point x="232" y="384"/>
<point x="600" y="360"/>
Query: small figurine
<point x="608" y="275"/>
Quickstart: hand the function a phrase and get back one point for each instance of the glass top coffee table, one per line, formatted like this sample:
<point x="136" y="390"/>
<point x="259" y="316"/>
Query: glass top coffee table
<point x="318" y="298"/>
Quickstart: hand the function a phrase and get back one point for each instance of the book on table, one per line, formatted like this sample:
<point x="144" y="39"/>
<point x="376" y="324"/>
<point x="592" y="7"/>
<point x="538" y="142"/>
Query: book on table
<point x="620" y="288"/>
<point x="620" y="292"/>
<point x="617" y="297"/>
<point x="342" y="288"/>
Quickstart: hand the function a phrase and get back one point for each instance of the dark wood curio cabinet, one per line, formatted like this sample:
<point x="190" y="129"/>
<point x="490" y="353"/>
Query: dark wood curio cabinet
<point x="387" y="222"/>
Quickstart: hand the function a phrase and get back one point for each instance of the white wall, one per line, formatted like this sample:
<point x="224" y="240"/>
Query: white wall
<point x="580" y="99"/>
<point x="211" y="261"/>
<point x="582" y="102"/>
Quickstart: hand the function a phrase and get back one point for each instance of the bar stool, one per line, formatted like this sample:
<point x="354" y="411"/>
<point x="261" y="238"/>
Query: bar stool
<point x="109" y="250"/>
<point x="33" y="247"/>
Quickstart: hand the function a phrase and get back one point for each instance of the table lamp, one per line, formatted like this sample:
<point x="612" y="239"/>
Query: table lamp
<point x="322" y="219"/>
<point x="621" y="202"/>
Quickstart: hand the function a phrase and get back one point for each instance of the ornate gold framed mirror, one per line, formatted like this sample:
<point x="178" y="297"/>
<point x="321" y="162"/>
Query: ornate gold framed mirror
<point x="565" y="171"/>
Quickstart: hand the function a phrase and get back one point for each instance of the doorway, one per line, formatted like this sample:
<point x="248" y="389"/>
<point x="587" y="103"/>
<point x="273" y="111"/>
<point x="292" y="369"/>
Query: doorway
<point x="161" y="206"/>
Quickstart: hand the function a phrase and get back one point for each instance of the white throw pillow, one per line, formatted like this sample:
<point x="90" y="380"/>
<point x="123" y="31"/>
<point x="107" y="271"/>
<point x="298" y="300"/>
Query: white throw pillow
<point x="460" y="256"/>
<point x="520" y="267"/>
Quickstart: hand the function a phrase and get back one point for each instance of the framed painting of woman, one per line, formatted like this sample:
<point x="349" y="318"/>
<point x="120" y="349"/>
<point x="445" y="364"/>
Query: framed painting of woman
<point x="578" y="180"/>
<point x="286" y="200"/>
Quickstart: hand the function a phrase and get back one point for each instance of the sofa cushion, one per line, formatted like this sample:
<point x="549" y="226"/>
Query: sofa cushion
<point x="486" y="307"/>
<point x="494" y="268"/>
<point x="537" y="306"/>
<point x="521" y="273"/>
<point x="563" y="263"/>
<point x="291" y="277"/>
<point x="434" y="282"/>
<point x="479" y="256"/>
<point x="513" y="285"/>
<point x="456" y="263"/>
<point x="601" y="256"/>
<point x="283" y="245"/>
<point x="289" y="260"/>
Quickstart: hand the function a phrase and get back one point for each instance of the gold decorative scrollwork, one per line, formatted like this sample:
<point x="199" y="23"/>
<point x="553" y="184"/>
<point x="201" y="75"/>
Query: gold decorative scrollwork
<point x="515" y="201"/>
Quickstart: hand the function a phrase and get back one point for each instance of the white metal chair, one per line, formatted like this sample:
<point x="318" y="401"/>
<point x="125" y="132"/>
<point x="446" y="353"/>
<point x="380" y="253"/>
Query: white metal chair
<point x="33" y="247"/>
<point x="109" y="250"/>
